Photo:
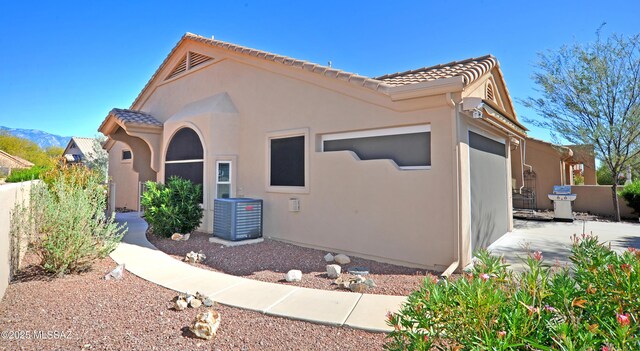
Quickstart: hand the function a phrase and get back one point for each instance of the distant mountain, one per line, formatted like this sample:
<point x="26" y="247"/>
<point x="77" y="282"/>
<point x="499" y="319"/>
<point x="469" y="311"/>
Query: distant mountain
<point x="43" y="139"/>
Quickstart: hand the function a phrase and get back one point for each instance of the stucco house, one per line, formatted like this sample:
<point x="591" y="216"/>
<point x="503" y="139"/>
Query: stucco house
<point x="10" y="162"/>
<point x="410" y="168"/>
<point x="79" y="150"/>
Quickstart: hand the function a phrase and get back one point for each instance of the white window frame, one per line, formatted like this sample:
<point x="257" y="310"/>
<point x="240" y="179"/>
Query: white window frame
<point x="422" y="128"/>
<point x="281" y="135"/>
<point x="230" y="182"/>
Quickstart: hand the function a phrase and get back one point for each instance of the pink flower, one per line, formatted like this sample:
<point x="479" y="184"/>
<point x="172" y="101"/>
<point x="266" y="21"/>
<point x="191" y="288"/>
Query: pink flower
<point x="485" y="277"/>
<point x="632" y="249"/>
<point x="626" y="268"/>
<point x="537" y="256"/>
<point x="549" y="308"/>
<point x="389" y="316"/>
<point x="425" y="338"/>
<point x="502" y="334"/>
<point x="604" y="348"/>
<point x="623" y="319"/>
<point x="533" y="310"/>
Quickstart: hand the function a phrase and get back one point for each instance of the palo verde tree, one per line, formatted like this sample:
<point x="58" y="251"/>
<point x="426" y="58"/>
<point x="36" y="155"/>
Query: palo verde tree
<point x="590" y="94"/>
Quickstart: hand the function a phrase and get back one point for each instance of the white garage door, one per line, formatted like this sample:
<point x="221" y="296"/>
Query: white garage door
<point x="489" y="198"/>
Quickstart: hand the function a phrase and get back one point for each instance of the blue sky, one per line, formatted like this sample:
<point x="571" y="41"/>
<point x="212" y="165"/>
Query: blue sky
<point x="65" y="64"/>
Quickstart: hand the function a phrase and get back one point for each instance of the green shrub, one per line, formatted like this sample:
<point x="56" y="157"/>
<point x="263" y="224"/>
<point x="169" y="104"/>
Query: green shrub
<point x="174" y="207"/>
<point x="72" y="228"/>
<point x="595" y="306"/>
<point x="631" y="194"/>
<point x="23" y="175"/>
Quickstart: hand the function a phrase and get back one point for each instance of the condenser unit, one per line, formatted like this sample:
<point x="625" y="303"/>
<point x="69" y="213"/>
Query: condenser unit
<point x="237" y="218"/>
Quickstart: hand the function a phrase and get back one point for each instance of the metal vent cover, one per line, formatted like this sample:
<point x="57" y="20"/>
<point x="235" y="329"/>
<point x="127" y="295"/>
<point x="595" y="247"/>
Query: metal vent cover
<point x="237" y="218"/>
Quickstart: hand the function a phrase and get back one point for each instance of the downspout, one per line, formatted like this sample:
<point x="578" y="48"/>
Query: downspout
<point x="524" y="162"/>
<point x="457" y="239"/>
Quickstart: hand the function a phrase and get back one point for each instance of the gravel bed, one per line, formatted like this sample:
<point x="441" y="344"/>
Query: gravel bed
<point x="270" y="260"/>
<point x="88" y="313"/>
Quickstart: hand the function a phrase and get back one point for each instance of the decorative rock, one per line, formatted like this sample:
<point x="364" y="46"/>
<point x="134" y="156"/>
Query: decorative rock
<point x="358" y="287"/>
<point x="328" y="257"/>
<point x="208" y="302"/>
<point x="117" y="273"/>
<point x="333" y="271"/>
<point x="186" y="237"/>
<point x="180" y="305"/>
<point x="195" y="303"/>
<point x="342" y="259"/>
<point x="176" y="236"/>
<point x="293" y="275"/>
<point x="193" y="257"/>
<point x="358" y="279"/>
<point x="370" y="283"/>
<point x="206" y="325"/>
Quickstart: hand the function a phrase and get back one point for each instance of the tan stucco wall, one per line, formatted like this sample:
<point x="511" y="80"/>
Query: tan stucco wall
<point x="122" y="173"/>
<point x="597" y="199"/>
<point x="10" y="194"/>
<point x="369" y="208"/>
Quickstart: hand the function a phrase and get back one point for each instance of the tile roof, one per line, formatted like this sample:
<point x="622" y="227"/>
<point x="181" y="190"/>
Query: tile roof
<point x="469" y="69"/>
<point x="85" y="145"/>
<point x="17" y="160"/>
<point x="134" y="117"/>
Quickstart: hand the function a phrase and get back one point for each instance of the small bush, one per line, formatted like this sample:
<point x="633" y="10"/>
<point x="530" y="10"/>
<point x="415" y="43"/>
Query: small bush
<point x="23" y="175"/>
<point x="69" y="216"/>
<point x="595" y="306"/>
<point x="174" y="207"/>
<point x="631" y="194"/>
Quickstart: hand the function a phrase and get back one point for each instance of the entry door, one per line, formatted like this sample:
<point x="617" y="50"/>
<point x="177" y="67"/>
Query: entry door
<point x="489" y="198"/>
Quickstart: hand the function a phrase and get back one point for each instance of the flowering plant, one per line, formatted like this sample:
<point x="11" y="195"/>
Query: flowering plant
<point x="594" y="305"/>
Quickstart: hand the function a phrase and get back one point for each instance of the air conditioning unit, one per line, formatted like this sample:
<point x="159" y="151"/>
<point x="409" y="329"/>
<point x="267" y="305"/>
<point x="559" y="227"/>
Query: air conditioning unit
<point x="237" y="218"/>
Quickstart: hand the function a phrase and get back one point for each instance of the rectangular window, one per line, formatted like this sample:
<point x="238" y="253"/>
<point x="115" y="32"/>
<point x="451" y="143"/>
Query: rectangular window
<point x="409" y="147"/>
<point x="223" y="179"/>
<point x="126" y="155"/>
<point x="287" y="161"/>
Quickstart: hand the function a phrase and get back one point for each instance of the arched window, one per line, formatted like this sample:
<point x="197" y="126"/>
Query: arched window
<point x="185" y="157"/>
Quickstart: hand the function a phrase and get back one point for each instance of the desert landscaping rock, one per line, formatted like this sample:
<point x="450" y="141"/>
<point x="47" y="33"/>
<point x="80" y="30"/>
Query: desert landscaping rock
<point x="342" y="259"/>
<point x="293" y="275"/>
<point x="333" y="271"/>
<point x="107" y="315"/>
<point x="195" y="303"/>
<point x="206" y="325"/>
<point x="117" y="273"/>
<point x="193" y="257"/>
<point x="328" y="257"/>
<point x="186" y="237"/>
<point x="176" y="237"/>
<point x="370" y="283"/>
<point x="358" y="287"/>
<point x="207" y="302"/>
<point x="269" y="260"/>
<point x="180" y="305"/>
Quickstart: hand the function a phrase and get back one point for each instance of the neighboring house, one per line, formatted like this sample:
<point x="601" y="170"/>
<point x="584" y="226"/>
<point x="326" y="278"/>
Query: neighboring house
<point x="79" y="150"/>
<point x="536" y="166"/>
<point x="9" y="162"/>
<point x="410" y="168"/>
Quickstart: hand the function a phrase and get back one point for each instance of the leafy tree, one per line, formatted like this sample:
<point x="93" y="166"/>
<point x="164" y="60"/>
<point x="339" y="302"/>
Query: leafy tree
<point x="54" y="152"/>
<point x="25" y="149"/>
<point x="591" y="95"/>
<point x="99" y="158"/>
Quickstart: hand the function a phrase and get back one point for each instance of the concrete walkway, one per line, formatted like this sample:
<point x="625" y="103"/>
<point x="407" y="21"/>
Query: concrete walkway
<point x="553" y="239"/>
<point x="361" y="311"/>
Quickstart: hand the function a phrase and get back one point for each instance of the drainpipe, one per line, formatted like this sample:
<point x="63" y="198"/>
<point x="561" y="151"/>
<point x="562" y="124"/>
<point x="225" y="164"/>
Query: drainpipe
<point x="457" y="239"/>
<point x="524" y="162"/>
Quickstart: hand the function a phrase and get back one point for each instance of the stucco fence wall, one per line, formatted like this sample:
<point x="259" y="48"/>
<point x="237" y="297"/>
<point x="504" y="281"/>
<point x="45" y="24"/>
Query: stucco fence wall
<point x="596" y="199"/>
<point x="10" y="194"/>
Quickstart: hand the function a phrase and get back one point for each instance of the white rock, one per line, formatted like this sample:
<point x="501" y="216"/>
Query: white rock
<point x="117" y="273"/>
<point x="176" y="236"/>
<point x="370" y="283"/>
<point x="342" y="259"/>
<point x="186" y="237"/>
<point x="293" y="275"/>
<point x="328" y="257"/>
<point x="195" y="303"/>
<point x="206" y="324"/>
<point x="333" y="271"/>
<point x="180" y="305"/>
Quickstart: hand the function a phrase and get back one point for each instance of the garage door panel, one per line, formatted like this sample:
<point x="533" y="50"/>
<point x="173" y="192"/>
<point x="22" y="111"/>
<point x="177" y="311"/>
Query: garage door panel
<point x="489" y="199"/>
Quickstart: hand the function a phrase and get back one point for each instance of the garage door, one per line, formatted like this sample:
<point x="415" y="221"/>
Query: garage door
<point x="489" y="199"/>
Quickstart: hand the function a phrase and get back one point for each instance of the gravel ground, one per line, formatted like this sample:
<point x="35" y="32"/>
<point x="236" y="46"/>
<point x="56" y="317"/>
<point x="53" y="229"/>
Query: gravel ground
<point x="85" y="312"/>
<point x="269" y="261"/>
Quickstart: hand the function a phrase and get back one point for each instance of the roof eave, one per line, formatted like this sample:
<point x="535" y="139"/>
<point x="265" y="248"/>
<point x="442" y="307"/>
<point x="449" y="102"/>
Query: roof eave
<point x="428" y="88"/>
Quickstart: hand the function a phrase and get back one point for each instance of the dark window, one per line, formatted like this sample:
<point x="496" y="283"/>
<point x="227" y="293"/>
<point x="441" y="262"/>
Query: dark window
<point x="485" y="144"/>
<point x="406" y="150"/>
<point x="126" y="154"/>
<point x="185" y="145"/>
<point x="287" y="161"/>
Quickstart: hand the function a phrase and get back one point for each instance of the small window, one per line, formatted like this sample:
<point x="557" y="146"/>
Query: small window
<point x="223" y="179"/>
<point x="287" y="160"/>
<point x="409" y="147"/>
<point x="126" y="155"/>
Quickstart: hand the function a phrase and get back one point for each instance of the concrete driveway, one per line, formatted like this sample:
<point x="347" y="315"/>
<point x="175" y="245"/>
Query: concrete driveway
<point x="553" y="239"/>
